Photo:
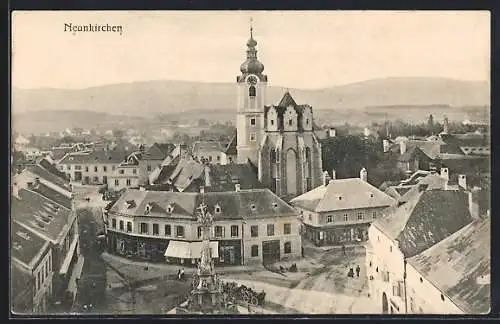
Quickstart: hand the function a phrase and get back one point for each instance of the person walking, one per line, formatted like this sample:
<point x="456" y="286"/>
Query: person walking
<point x="358" y="269"/>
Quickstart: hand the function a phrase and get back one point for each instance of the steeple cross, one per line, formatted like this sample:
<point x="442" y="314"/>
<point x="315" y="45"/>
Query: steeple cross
<point x="251" y="26"/>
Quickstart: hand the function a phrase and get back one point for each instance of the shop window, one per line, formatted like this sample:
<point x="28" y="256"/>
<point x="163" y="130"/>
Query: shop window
<point x="287" y="228"/>
<point x="254" y="231"/>
<point x="168" y="230"/>
<point x="288" y="247"/>
<point x="255" y="250"/>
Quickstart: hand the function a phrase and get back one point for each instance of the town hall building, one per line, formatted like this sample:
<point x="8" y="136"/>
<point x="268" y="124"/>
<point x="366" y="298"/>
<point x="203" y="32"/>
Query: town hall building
<point x="278" y="139"/>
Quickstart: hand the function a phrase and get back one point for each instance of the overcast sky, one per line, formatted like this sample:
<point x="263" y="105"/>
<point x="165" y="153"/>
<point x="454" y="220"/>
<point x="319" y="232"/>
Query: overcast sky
<point x="299" y="49"/>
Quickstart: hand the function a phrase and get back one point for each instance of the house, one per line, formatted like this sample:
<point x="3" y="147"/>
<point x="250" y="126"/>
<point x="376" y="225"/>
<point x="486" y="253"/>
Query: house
<point x="91" y="168"/>
<point x="470" y="143"/>
<point x="41" y="204"/>
<point x="187" y="175"/>
<point x="210" y="152"/>
<point x="341" y="210"/>
<point x="408" y="230"/>
<point x="31" y="271"/>
<point x="250" y="226"/>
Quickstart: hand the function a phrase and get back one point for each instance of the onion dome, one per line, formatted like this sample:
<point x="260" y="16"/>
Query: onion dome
<point x="252" y="64"/>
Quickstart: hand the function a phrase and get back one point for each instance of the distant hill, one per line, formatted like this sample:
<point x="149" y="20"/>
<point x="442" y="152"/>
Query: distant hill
<point x="150" y="98"/>
<point x="57" y="120"/>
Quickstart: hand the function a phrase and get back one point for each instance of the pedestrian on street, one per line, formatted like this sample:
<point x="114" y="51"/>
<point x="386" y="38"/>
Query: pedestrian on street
<point x="358" y="269"/>
<point x="343" y="250"/>
<point x="179" y="274"/>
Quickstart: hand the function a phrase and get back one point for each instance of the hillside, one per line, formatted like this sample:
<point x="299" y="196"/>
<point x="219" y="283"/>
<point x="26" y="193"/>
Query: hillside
<point x="149" y="98"/>
<point x="54" y="120"/>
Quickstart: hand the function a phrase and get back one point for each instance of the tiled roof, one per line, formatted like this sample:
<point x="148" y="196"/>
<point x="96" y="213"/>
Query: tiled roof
<point x="341" y="194"/>
<point x="95" y="157"/>
<point x="287" y="100"/>
<point x="231" y="147"/>
<point x="426" y="218"/>
<point x="459" y="266"/>
<point x="49" y="176"/>
<point x="206" y="146"/>
<point x="158" y="151"/>
<point x="53" y="195"/>
<point x="25" y="245"/>
<point x="225" y="177"/>
<point x="39" y="214"/>
<point x="410" y="154"/>
<point x="245" y="204"/>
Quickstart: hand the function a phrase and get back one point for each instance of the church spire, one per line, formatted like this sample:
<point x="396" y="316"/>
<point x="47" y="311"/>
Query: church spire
<point x="251" y="65"/>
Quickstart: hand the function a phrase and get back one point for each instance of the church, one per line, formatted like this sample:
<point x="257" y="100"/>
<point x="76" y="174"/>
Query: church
<point x="277" y="139"/>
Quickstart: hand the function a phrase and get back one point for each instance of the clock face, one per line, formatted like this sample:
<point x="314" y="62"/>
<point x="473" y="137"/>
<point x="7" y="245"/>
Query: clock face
<point x="252" y="80"/>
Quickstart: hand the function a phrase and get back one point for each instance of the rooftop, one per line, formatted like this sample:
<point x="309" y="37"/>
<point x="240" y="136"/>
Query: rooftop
<point x="200" y="147"/>
<point x="25" y="245"/>
<point x="425" y="219"/>
<point x="255" y="203"/>
<point x="53" y="195"/>
<point x="95" y="157"/>
<point x="40" y="214"/>
<point x="158" y="151"/>
<point x="341" y="194"/>
<point x="459" y="266"/>
<point x="49" y="176"/>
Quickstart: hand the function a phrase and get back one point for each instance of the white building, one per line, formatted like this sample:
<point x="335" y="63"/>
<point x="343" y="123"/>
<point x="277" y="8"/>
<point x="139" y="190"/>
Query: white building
<point x="402" y="280"/>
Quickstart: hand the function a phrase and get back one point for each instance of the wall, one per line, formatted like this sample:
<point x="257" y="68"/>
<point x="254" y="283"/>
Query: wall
<point x="294" y="237"/>
<point x="425" y="297"/>
<point x="121" y="178"/>
<point x="88" y="170"/>
<point x="43" y="275"/>
<point x="320" y="219"/>
<point x="386" y="256"/>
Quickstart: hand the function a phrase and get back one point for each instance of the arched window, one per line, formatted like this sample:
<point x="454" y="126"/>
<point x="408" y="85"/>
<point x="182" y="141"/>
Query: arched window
<point x="251" y="91"/>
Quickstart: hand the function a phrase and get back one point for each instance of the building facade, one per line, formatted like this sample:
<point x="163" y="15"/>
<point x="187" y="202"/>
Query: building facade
<point x="340" y="211"/>
<point x="250" y="226"/>
<point x="396" y="282"/>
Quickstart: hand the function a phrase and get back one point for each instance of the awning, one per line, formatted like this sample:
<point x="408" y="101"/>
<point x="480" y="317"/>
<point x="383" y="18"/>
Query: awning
<point x="69" y="256"/>
<point x="189" y="250"/>
<point x="196" y="249"/>
<point x="178" y="249"/>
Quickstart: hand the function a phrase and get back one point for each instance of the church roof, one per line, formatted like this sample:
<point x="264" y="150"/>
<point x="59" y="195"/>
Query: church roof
<point x="287" y="100"/>
<point x="231" y="147"/>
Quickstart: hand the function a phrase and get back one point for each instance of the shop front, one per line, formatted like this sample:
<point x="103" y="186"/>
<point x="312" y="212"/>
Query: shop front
<point x="188" y="253"/>
<point x="137" y="248"/>
<point x="337" y="234"/>
<point x="229" y="252"/>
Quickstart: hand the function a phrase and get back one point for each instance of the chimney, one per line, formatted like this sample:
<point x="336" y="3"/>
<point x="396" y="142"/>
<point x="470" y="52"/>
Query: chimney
<point x="332" y="132"/>
<point x="462" y="181"/>
<point x="237" y="187"/>
<point x="474" y="203"/>
<point x="202" y="189"/>
<point x="326" y="178"/>
<point x="363" y="175"/>
<point x="385" y="145"/>
<point x="402" y="147"/>
<point x="334" y="174"/>
<point x="207" y="175"/>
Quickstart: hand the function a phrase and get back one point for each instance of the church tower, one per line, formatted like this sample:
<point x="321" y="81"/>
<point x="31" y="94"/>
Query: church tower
<point x="251" y="84"/>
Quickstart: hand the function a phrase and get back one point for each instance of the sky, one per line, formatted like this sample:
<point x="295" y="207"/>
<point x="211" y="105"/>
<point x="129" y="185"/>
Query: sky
<point x="299" y="49"/>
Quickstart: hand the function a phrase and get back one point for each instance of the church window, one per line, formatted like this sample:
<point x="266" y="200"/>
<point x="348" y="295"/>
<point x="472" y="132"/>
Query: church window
<point x="251" y="91"/>
<point x="252" y="121"/>
<point x="272" y="122"/>
<point x="290" y="122"/>
<point x="307" y="121"/>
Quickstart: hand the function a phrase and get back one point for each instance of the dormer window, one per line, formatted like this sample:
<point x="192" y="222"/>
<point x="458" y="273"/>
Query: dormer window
<point x="217" y="209"/>
<point x="148" y="209"/>
<point x="275" y="205"/>
<point x="170" y="208"/>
